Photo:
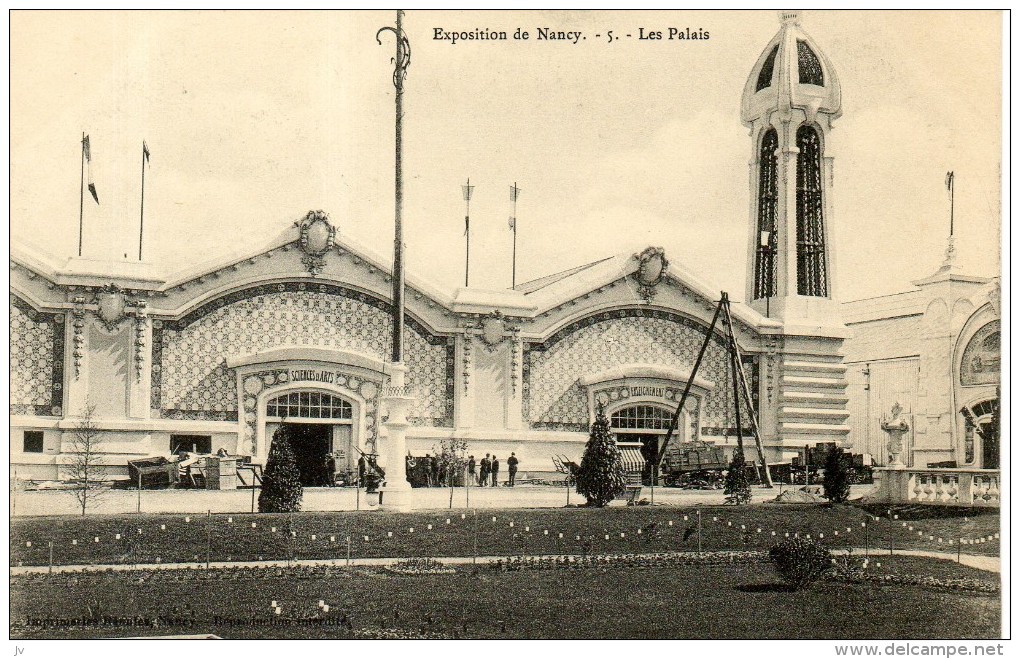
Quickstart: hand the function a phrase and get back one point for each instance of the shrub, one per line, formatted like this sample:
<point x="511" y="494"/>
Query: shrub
<point x="738" y="489"/>
<point x="836" y="482"/>
<point x="800" y="561"/>
<point x="601" y="477"/>
<point x="281" y="482"/>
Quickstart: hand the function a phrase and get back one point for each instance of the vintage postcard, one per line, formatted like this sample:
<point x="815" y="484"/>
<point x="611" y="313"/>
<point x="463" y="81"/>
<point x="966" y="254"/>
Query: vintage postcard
<point x="508" y="325"/>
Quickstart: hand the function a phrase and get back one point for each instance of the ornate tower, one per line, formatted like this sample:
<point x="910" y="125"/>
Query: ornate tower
<point x="790" y="102"/>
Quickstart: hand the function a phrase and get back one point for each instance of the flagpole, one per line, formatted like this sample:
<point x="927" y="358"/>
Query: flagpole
<point x="467" y="231"/>
<point x="513" y="274"/>
<point x="952" y="195"/>
<point x="141" y="212"/>
<point x="81" y="205"/>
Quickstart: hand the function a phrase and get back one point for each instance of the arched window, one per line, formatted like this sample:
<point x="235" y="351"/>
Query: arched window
<point x="767" y="67"/>
<point x="309" y="405"/>
<point x="641" y="417"/>
<point x="809" y="69"/>
<point x="768" y="205"/>
<point x="811" y="276"/>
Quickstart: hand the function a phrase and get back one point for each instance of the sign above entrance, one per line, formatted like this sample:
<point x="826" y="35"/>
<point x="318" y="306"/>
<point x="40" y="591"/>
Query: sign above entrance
<point x="313" y="375"/>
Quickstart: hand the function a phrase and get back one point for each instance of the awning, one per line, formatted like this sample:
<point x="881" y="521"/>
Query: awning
<point x="632" y="459"/>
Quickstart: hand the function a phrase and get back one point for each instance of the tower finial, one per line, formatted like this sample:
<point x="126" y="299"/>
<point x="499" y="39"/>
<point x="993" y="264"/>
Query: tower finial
<point x="789" y="17"/>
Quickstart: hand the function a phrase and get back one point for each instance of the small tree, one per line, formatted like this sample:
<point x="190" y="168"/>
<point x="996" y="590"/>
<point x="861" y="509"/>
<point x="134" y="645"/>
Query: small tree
<point x="836" y="481"/>
<point x="601" y="477"/>
<point x="451" y="459"/>
<point x="86" y="470"/>
<point x="737" y="489"/>
<point x="281" y="482"/>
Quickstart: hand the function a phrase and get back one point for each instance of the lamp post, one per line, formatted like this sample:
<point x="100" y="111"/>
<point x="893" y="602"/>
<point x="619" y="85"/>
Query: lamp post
<point x="396" y="396"/>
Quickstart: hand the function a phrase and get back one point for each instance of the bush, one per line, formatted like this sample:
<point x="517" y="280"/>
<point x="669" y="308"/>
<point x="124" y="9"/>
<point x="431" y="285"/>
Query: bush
<point x="800" y="561"/>
<point x="738" y="488"/>
<point x="601" y="477"/>
<point x="281" y="482"/>
<point x="836" y="482"/>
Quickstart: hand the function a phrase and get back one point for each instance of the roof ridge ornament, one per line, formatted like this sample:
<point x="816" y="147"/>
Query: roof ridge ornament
<point x="318" y="236"/>
<point x="651" y="270"/>
<point x="789" y="16"/>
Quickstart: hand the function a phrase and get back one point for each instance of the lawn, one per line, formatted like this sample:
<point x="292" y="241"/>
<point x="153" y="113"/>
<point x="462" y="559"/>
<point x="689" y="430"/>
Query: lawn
<point x="734" y="601"/>
<point x="221" y="537"/>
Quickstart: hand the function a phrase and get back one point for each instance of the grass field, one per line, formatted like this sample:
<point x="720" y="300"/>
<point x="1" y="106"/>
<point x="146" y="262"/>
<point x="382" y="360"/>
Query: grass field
<point x="180" y="538"/>
<point x="736" y="601"/>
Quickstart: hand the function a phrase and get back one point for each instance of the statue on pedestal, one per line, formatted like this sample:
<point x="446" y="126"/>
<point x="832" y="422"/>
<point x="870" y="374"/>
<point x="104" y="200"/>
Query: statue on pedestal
<point x="895" y="427"/>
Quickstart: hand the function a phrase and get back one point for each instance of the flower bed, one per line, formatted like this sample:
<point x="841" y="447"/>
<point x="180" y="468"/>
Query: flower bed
<point x="954" y="584"/>
<point x="420" y="566"/>
<point x="657" y="560"/>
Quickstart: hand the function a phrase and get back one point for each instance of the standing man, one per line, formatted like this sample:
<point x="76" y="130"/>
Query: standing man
<point x="428" y="470"/>
<point x="483" y="478"/>
<point x="495" y="471"/>
<point x="511" y="464"/>
<point x="472" y="476"/>
<point x="330" y="470"/>
<point x="361" y="471"/>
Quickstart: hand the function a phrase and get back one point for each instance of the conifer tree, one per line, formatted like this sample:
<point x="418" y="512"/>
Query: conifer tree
<point x="601" y="477"/>
<point x="836" y="482"/>
<point x="738" y="489"/>
<point x="281" y="482"/>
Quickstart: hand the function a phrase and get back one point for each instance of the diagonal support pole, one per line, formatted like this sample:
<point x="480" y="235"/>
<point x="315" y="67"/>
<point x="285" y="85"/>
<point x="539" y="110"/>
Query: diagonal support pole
<point x="687" y="390"/>
<point x="739" y="368"/>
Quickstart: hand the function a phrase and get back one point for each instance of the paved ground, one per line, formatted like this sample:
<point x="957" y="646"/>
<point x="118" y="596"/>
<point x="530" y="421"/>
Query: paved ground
<point x="986" y="563"/>
<point x="55" y="502"/>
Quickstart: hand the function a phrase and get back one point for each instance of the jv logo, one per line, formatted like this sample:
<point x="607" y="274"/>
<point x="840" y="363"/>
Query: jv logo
<point x="18" y="650"/>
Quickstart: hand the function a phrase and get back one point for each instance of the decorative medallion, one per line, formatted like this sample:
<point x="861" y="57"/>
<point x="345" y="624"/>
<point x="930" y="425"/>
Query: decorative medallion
<point x="317" y="238"/>
<point x="492" y="327"/>
<point x="652" y="268"/>
<point x="111" y="305"/>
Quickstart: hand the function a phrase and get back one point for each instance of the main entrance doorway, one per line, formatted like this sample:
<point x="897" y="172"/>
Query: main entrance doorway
<point x="320" y="428"/>
<point x="647" y="424"/>
<point x="311" y="444"/>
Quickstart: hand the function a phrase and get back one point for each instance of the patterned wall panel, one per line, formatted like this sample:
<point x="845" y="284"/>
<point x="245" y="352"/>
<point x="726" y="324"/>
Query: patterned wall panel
<point x="555" y="400"/>
<point x="37" y="360"/>
<point x="191" y="378"/>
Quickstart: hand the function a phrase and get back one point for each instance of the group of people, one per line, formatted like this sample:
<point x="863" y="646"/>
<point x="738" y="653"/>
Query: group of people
<point x="481" y="473"/>
<point x="488" y="470"/>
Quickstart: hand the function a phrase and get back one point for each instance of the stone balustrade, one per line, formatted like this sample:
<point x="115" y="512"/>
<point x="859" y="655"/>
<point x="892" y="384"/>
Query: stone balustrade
<point x="938" y="487"/>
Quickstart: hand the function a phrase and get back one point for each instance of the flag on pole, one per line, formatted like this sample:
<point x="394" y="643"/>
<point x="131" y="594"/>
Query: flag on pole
<point x="949" y="181"/>
<point x="87" y="149"/>
<point x="512" y="223"/>
<point x="145" y="151"/>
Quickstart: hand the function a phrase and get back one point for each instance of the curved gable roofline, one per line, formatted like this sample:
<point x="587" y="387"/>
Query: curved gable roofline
<point x="585" y="280"/>
<point x="290" y="236"/>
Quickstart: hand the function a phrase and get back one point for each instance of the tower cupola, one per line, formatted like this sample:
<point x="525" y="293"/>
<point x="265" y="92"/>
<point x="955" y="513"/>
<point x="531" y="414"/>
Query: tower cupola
<point x="790" y="102"/>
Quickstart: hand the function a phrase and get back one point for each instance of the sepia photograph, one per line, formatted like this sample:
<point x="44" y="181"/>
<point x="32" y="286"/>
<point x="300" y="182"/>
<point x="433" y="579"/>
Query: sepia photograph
<point x="511" y="325"/>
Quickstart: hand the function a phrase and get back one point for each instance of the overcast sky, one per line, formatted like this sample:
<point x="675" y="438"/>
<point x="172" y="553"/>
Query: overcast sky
<point x="253" y="119"/>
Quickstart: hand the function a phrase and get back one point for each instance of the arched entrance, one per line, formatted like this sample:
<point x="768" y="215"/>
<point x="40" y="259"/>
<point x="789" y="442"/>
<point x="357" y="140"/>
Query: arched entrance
<point x="320" y="425"/>
<point x="981" y="434"/>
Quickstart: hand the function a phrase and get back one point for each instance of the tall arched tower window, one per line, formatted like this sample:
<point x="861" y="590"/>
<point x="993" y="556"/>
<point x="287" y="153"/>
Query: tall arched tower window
<point x="811" y="278"/>
<point x="768" y="207"/>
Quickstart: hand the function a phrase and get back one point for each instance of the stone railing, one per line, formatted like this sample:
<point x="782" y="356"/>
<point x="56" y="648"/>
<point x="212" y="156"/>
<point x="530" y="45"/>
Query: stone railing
<point x="939" y="487"/>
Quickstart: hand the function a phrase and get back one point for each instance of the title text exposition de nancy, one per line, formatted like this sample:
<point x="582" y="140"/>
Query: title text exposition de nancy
<point x="572" y="36"/>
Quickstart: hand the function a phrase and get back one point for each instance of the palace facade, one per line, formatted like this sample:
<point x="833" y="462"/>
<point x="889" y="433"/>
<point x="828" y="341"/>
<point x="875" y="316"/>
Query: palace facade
<point x="217" y="356"/>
